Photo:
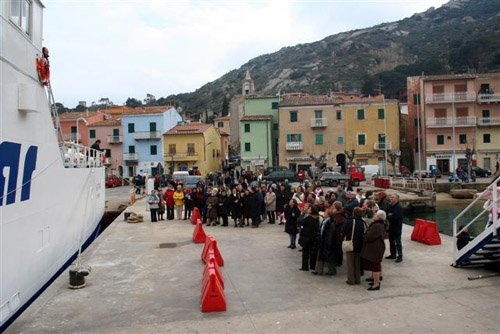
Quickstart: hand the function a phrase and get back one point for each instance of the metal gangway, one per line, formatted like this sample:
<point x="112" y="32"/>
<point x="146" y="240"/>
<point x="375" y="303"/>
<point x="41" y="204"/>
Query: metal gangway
<point x="484" y="248"/>
<point x="415" y="185"/>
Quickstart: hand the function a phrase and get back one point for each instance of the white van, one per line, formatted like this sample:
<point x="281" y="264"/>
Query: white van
<point x="370" y="170"/>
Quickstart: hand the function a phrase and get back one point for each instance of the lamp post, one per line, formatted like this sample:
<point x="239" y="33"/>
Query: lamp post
<point x="84" y="121"/>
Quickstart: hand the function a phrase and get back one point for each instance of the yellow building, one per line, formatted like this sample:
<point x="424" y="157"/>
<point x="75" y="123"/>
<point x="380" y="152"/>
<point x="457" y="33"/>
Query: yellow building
<point x="193" y="145"/>
<point x="222" y="123"/>
<point x="372" y="128"/>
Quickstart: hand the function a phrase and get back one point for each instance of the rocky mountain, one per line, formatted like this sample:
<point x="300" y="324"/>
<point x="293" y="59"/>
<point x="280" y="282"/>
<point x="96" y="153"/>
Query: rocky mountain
<point x="461" y="36"/>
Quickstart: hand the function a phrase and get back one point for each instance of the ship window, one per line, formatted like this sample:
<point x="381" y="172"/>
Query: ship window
<point x="20" y="14"/>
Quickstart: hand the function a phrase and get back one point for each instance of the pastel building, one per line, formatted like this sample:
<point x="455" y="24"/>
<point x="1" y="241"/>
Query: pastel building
<point x="79" y="131"/>
<point x="143" y="130"/>
<point x="256" y="142"/>
<point x="110" y="133"/>
<point x="193" y="146"/>
<point x="457" y="113"/>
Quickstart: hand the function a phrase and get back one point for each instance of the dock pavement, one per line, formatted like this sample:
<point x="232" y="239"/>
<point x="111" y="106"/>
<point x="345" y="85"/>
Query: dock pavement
<point x="137" y="287"/>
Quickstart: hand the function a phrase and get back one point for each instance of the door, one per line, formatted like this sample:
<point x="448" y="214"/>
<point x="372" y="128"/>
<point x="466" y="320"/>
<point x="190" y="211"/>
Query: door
<point x="292" y="166"/>
<point x="131" y="171"/>
<point x="443" y="165"/>
<point x="487" y="163"/>
<point x="381" y="141"/>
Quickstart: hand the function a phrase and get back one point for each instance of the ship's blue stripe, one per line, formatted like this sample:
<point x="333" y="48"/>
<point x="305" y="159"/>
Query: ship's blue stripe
<point x="87" y="243"/>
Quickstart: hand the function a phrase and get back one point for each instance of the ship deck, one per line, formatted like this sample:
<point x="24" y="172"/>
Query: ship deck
<point x="137" y="287"/>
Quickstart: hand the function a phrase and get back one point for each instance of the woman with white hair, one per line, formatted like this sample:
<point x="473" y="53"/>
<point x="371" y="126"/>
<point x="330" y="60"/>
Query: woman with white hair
<point x="373" y="249"/>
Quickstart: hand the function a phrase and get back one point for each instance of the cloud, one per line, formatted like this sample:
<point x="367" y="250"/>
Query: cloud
<point x="118" y="49"/>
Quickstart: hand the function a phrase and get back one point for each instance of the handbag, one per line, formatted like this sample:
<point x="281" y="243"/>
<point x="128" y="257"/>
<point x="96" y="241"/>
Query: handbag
<point x="348" y="245"/>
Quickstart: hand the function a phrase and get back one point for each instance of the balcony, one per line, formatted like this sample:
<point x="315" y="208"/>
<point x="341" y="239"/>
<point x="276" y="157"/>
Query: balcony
<point x="451" y="97"/>
<point x="446" y="122"/>
<point x="72" y="136"/>
<point x="487" y="98"/>
<point x="382" y="146"/>
<point x="107" y="162"/>
<point x="147" y="135"/>
<point x="130" y="157"/>
<point x="488" y="121"/>
<point x="294" y="146"/>
<point x="188" y="156"/>
<point x="319" y="122"/>
<point x="115" y="139"/>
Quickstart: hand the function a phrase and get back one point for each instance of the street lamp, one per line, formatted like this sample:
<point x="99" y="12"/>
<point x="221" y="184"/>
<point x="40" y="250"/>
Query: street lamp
<point x="84" y="121"/>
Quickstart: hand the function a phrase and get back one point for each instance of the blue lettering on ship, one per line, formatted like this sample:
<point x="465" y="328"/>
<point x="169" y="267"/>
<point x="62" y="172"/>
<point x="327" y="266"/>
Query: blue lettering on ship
<point x="10" y="154"/>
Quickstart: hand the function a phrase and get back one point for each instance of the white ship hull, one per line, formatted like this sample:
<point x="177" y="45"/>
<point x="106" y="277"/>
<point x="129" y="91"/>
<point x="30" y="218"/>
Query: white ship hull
<point x="47" y="210"/>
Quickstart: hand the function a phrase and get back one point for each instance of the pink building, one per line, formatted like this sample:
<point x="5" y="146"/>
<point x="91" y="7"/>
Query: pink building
<point x="109" y="131"/>
<point x="79" y="133"/>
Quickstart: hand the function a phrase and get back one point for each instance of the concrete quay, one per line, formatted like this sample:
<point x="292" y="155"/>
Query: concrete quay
<point x="137" y="287"/>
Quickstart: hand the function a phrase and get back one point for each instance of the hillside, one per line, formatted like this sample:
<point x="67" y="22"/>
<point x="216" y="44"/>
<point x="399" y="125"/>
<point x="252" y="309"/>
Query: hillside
<point x="460" y="36"/>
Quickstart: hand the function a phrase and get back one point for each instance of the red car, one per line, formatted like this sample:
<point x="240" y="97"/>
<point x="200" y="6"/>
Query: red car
<point x="113" y="181"/>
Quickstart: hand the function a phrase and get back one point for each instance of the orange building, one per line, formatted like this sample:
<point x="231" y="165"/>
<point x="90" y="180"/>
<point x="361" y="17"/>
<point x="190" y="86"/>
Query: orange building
<point x="74" y="125"/>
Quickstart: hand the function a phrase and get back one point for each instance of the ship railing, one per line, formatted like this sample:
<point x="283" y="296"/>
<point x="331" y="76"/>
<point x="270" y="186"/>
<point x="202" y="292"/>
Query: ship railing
<point x="478" y="228"/>
<point x="78" y="156"/>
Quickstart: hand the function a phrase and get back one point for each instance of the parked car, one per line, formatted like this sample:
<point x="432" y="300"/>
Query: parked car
<point x="190" y="181"/>
<point x="332" y="179"/>
<point x="273" y="169"/>
<point x="477" y="171"/>
<point x="280" y="176"/>
<point x="113" y="181"/>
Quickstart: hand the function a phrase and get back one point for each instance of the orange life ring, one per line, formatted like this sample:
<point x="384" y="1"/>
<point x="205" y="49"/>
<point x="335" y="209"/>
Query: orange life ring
<point x="43" y="69"/>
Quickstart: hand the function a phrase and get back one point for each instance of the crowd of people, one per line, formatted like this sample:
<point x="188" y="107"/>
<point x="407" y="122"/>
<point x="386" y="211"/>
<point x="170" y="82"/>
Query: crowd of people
<point x="327" y="224"/>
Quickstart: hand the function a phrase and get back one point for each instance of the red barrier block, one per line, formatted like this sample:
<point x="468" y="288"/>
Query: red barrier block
<point x="431" y="236"/>
<point x="212" y="296"/>
<point x="204" y="252"/>
<point x="419" y="223"/>
<point x="218" y="256"/>
<point x="421" y="232"/>
<point x="198" y="233"/>
<point x="195" y="216"/>
<point x="212" y="263"/>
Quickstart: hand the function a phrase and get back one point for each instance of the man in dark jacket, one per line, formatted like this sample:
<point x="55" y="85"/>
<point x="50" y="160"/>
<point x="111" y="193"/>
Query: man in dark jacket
<point x="395" y="218"/>
<point x="351" y="203"/>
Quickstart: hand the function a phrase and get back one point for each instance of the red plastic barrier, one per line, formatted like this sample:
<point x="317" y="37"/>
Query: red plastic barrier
<point x="198" y="233"/>
<point x="431" y="236"/>
<point x="212" y="296"/>
<point x="419" y="223"/>
<point x="212" y="263"/>
<point x="213" y="246"/>
<point x="195" y="216"/>
<point x="206" y="247"/>
<point x="387" y="183"/>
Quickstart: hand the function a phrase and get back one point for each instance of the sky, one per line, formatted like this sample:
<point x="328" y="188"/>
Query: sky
<point x="123" y="48"/>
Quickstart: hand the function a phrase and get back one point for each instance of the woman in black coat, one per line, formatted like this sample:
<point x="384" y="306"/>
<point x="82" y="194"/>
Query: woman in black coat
<point x="281" y="200"/>
<point x="327" y="244"/>
<point x="235" y="206"/>
<point x="291" y="213"/>
<point x="309" y="226"/>
<point x="247" y="206"/>
<point x="223" y="208"/>
<point x="353" y="259"/>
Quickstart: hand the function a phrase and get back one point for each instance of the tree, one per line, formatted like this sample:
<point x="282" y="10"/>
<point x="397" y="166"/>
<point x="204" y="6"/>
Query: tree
<point x="350" y="156"/>
<point x="133" y="103"/>
<point x="150" y="100"/>
<point x="80" y="108"/>
<point x="61" y="108"/>
<point x="105" y="102"/>
<point x="225" y="107"/>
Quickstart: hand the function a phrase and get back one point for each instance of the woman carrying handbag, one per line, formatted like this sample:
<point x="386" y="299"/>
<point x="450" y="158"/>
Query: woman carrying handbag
<point x="353" y="230"/>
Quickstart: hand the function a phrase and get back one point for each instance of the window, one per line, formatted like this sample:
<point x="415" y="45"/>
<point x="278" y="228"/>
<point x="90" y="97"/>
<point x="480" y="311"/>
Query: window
<point x="462" y="112"/>
<point x="319" y="139"/>
<point x="171" y="149"/>
<point x="339" y="114"/>
<point x="190" y="147"/>
<point x="107" y="152"/>
<point x="463" y="139"/>
<point x="486" y="113"/>
<point x="486" y="138"/>
<point x="318" y="113"/>
<point x="440" y="139"/>
<point x="220" y="124"/>
<point x="416" y="98"/>
<point x="361" y="114"/>
<point x="274" y="105"/>
<point x="152" y="127"/>
<point x="247" y="127"/>
<point x="361" y="139"/>
<point x="92" y="133"/>
<point x="131" y="127"/>
<point x="340" y="140"/>
<point x="20" y="11"/>
<point x="417" y="122"/>
<point x="293" y="116"/>
<point x="247" y="147"/>
<point x="293" y="137"/>
<point x="116" y="132"/>
<point x="381" y="114"/>
<point x="73" y="129"/>
<point x="276" y="127"/>
<point x="131" y="149"/>
<point x="153" y="150"/>
<point x="381" y="141"/>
